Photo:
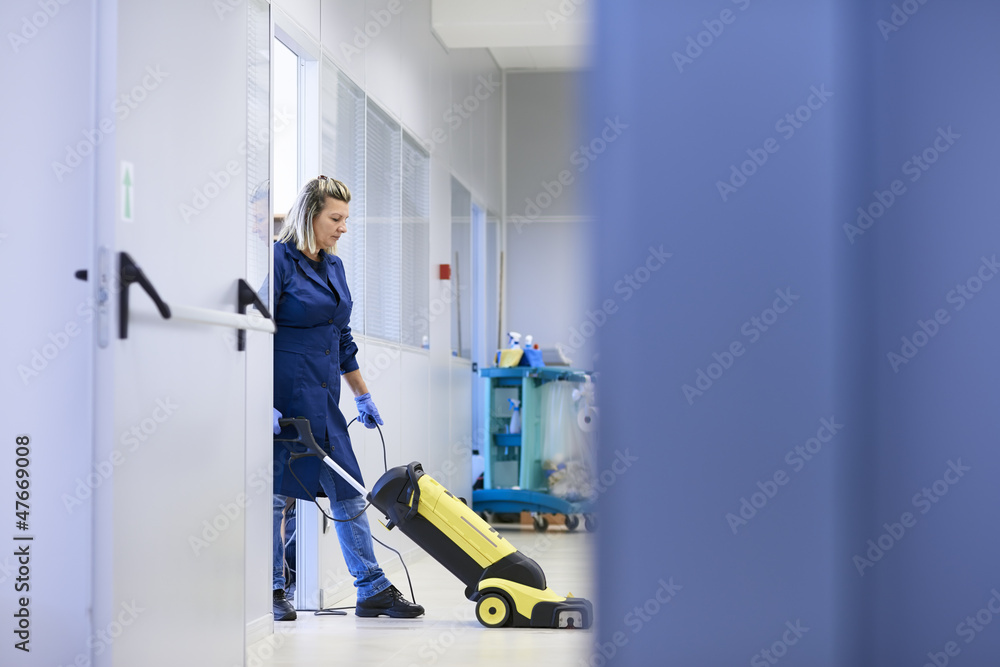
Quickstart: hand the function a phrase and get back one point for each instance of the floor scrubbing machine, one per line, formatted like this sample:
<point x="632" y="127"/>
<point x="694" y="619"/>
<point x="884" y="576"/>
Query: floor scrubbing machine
<point x="508" y="588"/>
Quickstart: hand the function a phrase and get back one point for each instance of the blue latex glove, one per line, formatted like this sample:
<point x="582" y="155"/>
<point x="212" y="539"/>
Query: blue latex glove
<point x="277" y="416"/>
<point x="367" y="412"/>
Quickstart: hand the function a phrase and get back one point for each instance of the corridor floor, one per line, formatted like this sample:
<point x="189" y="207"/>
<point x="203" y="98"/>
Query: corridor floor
<point x="448" y="634"/>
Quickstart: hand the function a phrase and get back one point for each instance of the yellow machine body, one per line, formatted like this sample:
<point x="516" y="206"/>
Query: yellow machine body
<point x="508" y="587"/>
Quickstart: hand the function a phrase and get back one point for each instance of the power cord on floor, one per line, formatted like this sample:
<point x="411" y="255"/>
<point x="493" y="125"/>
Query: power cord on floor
<point x="337" y="611"/>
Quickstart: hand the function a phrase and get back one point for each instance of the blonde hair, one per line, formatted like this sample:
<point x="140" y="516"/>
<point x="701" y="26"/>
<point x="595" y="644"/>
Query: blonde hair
<point x="310" y="201"/>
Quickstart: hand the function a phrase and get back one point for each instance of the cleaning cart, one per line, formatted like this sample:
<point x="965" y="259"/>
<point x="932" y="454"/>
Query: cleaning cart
<point x="522" y="470"/>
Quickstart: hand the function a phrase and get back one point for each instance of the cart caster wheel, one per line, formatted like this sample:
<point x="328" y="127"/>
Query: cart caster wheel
<point x="590" y="523"/>
<point x="493" y="610"/>
<point x="572" y="522"/>
<point x="541" y="523"/>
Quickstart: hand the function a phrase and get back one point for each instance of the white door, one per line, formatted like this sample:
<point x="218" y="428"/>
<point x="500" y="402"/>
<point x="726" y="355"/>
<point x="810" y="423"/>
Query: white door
<point x="171" y="401"/>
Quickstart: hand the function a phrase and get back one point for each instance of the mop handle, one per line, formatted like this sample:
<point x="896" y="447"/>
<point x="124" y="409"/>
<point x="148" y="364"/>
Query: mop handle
<point x="306" y="438"/>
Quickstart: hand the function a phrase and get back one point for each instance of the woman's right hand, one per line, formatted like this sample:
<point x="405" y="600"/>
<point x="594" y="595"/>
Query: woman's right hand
<point x="277" y="416"/>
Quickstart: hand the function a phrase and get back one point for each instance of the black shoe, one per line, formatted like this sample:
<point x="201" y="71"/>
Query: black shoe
<point x="282" y="608"/>
<point x="389" y="602"/>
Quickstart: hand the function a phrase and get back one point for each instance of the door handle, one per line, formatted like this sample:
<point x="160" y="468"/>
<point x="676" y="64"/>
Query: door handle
<point x="128" y="273"/>
<point x="245" y="296"/>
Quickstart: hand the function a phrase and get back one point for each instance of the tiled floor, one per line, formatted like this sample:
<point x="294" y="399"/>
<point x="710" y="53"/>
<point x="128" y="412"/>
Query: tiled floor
<point x="448" y="634"/>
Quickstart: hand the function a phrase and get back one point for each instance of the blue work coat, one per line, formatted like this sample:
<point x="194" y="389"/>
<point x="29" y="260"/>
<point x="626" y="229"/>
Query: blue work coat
<point x="312" y="347"/>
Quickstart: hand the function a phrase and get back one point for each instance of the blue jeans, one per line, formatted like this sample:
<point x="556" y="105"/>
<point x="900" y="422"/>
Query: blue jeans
<point x="355" y="539"/>
<point x="278" y="544"/>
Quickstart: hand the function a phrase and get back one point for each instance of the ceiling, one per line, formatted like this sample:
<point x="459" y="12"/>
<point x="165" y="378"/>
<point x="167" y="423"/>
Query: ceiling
<point x="521" y="34"/>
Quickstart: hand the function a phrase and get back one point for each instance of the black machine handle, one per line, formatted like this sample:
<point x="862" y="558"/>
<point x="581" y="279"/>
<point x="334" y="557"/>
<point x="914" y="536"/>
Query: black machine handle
<point x="245" y="296"/>
<point x="128" y="273"/>
<point x="411" y="473"/>
<point x="305" y="435"/>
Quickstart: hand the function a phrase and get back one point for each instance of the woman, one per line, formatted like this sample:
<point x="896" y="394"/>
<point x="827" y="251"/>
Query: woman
<point x="313" y="350"/>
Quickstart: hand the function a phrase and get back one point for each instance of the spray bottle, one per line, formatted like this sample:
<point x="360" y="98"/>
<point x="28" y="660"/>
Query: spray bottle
<point x="515" y="415"/>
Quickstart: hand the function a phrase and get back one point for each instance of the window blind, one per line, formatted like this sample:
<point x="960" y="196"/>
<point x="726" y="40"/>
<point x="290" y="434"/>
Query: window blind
<point x="343" y="158"/>
<point x="258" y="156"/>
<point x="416" y="209"/>
<point x="461" y="276"/>
<point x="383" y="235"/>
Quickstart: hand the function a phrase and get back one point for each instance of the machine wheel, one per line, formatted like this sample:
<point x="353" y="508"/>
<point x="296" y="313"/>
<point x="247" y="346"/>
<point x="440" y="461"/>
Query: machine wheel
<point x="493" y="610"/>
<point x="590" y="522"/>
<point x="541" y="523"/>
<point x="572" y="522"/>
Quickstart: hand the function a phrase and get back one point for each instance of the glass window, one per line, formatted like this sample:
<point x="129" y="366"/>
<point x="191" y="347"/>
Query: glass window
<point x="416" y="208"/>
<point x="258" y="156"/>
<point x="343" y="158"/>
<point x="383" y="235"/>
<point x="461" y="270"/>
<point x="286" y="135"/>
<point x="494" y="338"/>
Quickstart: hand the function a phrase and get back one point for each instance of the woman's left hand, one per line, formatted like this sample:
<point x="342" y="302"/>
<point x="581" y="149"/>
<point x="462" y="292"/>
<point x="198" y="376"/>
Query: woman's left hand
<point x="367" y="412"/>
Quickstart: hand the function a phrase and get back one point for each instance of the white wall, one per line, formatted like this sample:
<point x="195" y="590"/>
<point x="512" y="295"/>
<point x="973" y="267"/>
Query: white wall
<point x="546" y="272"/>
<point x="541" y="139"/>
<point x="423" y="395"/>
<point x="546" y="286"/>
